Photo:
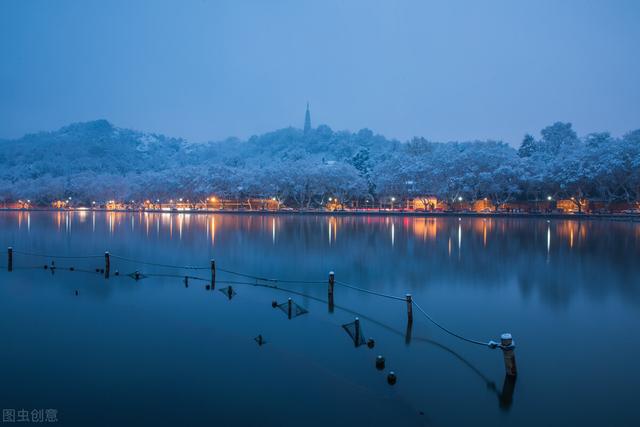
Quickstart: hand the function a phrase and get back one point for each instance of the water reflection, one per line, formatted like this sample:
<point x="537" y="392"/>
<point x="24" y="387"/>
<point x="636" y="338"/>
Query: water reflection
<point x="598" y="257"/>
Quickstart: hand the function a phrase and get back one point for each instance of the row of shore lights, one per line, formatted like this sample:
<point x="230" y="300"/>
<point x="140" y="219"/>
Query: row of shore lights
<point x="213" y="199"/>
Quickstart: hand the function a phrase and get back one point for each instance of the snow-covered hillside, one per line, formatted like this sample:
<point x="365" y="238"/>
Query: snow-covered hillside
<point x="97" y="161"/>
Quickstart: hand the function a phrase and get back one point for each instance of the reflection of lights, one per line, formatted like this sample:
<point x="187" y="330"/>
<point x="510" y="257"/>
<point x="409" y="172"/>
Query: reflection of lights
<point x="571" y="237"/>
<point x="393" y="234"/>
<point x="484" y="233"/>
<point x="548" y="238"/>
<point x="273" y="230"/>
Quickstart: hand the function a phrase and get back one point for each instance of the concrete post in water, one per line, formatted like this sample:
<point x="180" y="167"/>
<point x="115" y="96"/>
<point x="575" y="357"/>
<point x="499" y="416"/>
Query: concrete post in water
<point x="508" y="347"/>
<point x="107" y="264"/>
<point x="409" y="309"/>
<point x="289" y="302"/>
<point x="356" y="325"/>
<point x="10" y="258"/>
<point x="213" y="274"/>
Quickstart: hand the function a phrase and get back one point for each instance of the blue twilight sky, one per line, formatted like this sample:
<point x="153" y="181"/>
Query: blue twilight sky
<point x="208" y="69"/>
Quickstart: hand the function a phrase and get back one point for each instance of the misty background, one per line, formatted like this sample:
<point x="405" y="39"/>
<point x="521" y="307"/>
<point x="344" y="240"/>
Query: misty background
<point x="206" y="70"/>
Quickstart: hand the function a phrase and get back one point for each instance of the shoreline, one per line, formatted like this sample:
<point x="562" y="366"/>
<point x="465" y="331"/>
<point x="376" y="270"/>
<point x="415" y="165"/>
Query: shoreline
<point x="398" y="213"/>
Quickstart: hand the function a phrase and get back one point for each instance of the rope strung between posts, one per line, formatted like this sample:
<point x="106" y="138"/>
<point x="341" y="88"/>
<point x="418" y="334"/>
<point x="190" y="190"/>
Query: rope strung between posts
<point x="266" y="279"/>
<point x="369" y="292"/>
<point x="185" y="267"/>
<point x="490" y="344"/>
<point x="58" y="256"/>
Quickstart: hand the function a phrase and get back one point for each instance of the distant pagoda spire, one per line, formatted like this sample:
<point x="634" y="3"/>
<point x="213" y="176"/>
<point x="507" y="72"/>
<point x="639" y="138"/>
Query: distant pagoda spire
<point x="307" y="120"/>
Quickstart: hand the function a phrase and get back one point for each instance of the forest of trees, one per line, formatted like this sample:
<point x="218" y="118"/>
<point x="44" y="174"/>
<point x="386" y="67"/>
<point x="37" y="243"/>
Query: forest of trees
<point x="97" y="161"/>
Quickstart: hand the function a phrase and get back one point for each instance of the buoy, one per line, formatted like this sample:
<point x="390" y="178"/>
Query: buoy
<point x="380" y="362"/>
<point x="137" y="275"/>
<point x="102" y="270"/>
<point x="274" y="303"/>
<point x="207" y="287"/>
<point x="76" y="292"/>
<point x="71" y="268"/>
<point x="371" y="343"/>
<point x="117" y="273"/>
<point x="97" y="270"/>
<point x="391" y="378"/>
<point x="46" y="266"/>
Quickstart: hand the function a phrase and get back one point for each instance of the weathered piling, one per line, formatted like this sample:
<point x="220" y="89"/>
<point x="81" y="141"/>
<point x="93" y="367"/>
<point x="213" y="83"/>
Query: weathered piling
<point x="356" y="326"/>
<point x="107" y="264"/>
<point x="508" y="351"/>
<point x="409" y="308"/>
<point x="289" y="304"/>
<point x="330" y="290"/>
<point x="10" y="258"/>
<point x="213" y="274"/>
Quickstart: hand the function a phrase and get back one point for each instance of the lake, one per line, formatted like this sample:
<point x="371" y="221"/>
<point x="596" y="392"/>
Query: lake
<point x="157" y="351"/>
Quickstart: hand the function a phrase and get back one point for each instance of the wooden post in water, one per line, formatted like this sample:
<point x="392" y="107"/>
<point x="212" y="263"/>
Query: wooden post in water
<point x="289" y="308"/>
<point x="409" y="309"/>
<point x="331" y="283"/>
<point x="10" y="258"/>
<point x="107" y="264"/>
<point x="506" y="343"/>
<point x="357" y="331"/>
<point x="213" y="274"/>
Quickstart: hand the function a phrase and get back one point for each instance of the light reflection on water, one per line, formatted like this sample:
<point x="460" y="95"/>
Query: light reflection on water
<point x="557" y="286"/>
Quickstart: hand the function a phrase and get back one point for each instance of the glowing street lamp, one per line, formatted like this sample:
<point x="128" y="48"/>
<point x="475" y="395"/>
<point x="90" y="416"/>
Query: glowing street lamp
<point x="549" y="198"/>
<point x="459" y="198"/>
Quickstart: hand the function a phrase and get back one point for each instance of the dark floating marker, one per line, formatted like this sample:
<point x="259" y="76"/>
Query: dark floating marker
<point x="71" y="268"/>
<point x="97" y="270"/>
<point x="380" y="362"/>
<point x="391" y="378"/>
<point x="186" y="281"/>
<point x="46" y="266"/>
<point x="371" y="343"/>
<point x="208" y="287"/>
<point x="136" y="275"/>
<point x="102" y="271"/>
<point x="117" y="273"/>
<point x="274" y="303"/>
<point x="76" y="292"/>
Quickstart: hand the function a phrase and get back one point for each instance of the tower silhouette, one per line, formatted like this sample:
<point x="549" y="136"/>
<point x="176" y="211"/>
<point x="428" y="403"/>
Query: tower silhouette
<point x="307" y="120"/>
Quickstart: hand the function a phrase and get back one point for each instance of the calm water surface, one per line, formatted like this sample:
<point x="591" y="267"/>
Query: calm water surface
<point x="154" y="352"/>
